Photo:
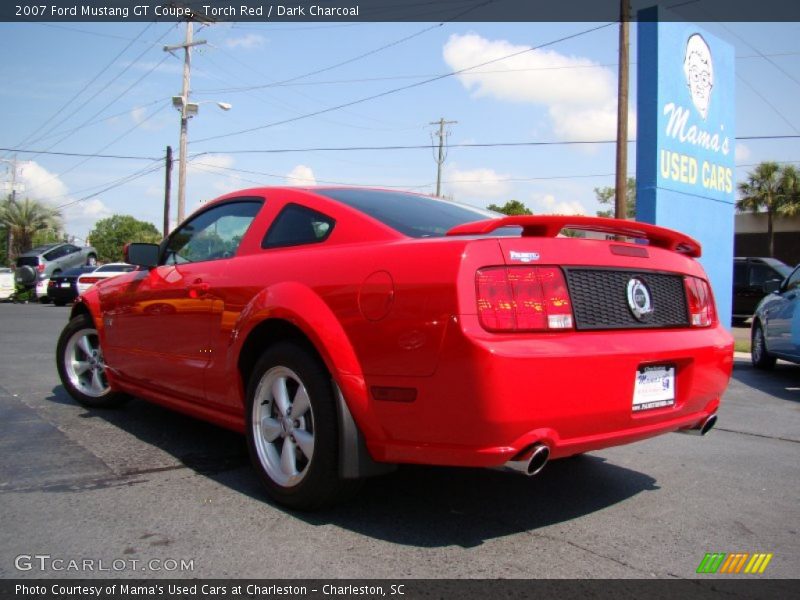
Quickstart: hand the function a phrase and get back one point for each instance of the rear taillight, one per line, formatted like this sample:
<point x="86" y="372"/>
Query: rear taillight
<point x="701" y="302"/>
<point x="523" y="299"/>
<point x="40" y="267"/>
<point x="90" y="280"/>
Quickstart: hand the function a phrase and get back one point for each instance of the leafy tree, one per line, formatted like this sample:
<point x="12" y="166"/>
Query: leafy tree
<point x="608" y="195"/>
<point x="772" y="189"/>
<point x="27" y="218"/>
<point x="511" y="208"/>
<point x="110" y="235"/>
<point x="790" y="182"/>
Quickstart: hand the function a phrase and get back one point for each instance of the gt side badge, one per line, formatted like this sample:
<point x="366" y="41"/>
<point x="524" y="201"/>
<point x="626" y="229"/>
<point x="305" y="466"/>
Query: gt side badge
<point x="524" y="257"/>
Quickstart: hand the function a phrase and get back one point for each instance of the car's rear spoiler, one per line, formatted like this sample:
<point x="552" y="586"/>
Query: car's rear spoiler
<point x="551" y="225"/>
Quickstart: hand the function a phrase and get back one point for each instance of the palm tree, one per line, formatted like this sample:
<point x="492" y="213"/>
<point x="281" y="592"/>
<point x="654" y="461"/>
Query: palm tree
<point x="24" y="219"/>
<point x="790" y="186"/>
<point x="765" y="189"/>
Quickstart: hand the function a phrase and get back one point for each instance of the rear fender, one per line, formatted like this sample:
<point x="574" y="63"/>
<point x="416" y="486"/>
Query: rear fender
<point x="300" y="306"/>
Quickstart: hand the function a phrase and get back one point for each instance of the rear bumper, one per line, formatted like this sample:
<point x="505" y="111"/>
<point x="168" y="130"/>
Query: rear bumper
<point x="492" y="396"/>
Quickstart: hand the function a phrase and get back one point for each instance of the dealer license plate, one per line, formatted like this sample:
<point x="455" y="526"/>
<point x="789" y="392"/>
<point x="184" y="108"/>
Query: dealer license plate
<point x="65" y="285"/>
<point x="654" y="388"/>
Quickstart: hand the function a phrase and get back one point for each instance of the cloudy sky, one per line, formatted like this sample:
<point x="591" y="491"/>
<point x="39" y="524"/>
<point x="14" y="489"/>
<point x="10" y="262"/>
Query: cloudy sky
<point x="331" y="103"/>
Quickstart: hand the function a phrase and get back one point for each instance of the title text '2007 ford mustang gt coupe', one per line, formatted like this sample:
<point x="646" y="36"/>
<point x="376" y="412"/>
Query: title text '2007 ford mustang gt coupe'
<point x="346" y="330"/>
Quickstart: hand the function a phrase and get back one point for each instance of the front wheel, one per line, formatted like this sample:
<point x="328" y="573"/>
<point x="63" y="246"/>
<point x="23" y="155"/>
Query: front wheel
<point x="81" y="367"/>
<point x="292" y="430"/>
<point x="758" y="349"/>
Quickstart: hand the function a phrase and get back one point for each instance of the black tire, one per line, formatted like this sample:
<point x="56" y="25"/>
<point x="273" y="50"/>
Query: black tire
<point x="759" y="356"/>
<point x="44" y="299"/>
<point x="59" y="302"/>
<point x="293" y="475"/>
<point x="79" y="345"/>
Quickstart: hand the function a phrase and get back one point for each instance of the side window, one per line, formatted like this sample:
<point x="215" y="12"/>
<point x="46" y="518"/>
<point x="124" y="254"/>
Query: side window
<point x="70" y="249"/>
<point x="760" y="274"/>
<point x="739" y="274"/>
<point x="213" y="234"/>
<point x="297" y="225"/>
<point x="56" y="253"/>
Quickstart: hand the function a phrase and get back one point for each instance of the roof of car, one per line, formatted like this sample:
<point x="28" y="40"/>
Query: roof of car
<point x="41" y="249"/>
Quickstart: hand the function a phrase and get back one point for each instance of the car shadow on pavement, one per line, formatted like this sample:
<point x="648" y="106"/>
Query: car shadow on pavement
<point x="437" y="506"/>
<point x="781" y="382"/>
<point x="415" y="505"/>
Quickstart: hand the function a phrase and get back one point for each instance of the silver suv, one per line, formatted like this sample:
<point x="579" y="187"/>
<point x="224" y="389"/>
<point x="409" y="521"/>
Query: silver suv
<point x="36" y="266"/>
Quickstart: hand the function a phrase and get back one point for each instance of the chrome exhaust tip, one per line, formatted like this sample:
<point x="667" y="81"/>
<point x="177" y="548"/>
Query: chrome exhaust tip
<point x="530" y="462"/>
<point x="708" y="424"/>
<point x="703" y="427"/>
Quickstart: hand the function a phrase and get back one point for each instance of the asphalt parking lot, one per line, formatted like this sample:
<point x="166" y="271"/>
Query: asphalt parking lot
<point x="141" y="484"/>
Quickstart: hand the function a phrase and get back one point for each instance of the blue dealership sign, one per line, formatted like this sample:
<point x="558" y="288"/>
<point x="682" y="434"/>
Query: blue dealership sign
<point x="685" y="169"/>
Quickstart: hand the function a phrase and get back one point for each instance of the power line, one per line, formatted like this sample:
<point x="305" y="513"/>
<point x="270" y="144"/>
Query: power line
<point x="117" y="183"/>
<point x="78" y="154"/>
<point x="402" y="88"/>
<point x="114" y="100"/>
<point x="103" y="120"/>
<point x="30" y="137"/>
<point x="463" y="145"/>
<point x="357" y="148"/>
<point x="208" y="168"/>
<point x="427" y="75"/>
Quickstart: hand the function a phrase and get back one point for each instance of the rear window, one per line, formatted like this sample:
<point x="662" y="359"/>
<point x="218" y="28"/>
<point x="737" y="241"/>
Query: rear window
<point x="30" y="261"/>
<point x="115" y="269"/>
<point x="412" y="215"/>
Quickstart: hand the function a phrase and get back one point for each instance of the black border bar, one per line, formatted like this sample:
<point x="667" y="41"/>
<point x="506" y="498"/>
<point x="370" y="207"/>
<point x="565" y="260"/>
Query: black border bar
<point x="708" y="587"/>
<point x="332" y="11"/>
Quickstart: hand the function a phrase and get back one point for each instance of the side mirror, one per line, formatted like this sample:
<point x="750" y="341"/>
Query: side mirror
<point x="142" y="255"/>
<point x="773" y="285"/>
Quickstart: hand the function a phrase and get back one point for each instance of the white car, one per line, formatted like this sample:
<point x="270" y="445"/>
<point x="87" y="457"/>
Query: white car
<point x="7" y="284"/>
<point x="104" y="272"/>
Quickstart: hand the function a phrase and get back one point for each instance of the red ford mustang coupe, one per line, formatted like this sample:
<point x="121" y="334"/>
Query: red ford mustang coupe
<point x="347" y="330"/>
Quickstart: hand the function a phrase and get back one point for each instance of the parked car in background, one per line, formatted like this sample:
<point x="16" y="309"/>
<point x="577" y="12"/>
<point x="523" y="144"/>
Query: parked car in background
<point x="63" y="287"/>
<point x="7" y="285"/>
<point x="775" y="332"/>
<point x="36" y="266"/>
<point x="346" y="330"/>
<point x="749" y="276"/>
<point x="87" y="280"/>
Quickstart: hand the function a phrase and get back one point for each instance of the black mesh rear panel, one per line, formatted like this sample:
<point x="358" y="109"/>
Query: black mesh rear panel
<point x="599" y="299"/>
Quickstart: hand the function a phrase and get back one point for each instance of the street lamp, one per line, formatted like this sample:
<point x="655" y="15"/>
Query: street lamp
<point x="187" y="110"/>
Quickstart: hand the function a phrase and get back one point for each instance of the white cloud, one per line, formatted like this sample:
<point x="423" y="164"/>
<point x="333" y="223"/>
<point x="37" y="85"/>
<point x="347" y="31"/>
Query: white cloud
<point x="464" y="185"/>
<point x="39" y="183"/>
<point x="248" y="42"/>
<point x="301" y="175"/>
<point x="548" y="204"/>
<point x="742" y="152"/>
<point x="579" y="95"/>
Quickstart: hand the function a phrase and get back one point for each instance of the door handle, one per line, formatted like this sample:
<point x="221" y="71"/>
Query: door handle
<point x="198" y="288"/>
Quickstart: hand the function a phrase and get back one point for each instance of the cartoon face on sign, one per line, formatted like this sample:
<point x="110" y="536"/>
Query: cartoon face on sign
<point x="699" y="70"/>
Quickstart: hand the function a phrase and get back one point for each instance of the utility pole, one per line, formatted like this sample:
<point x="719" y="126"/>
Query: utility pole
<point x="621" y="188"/>
<point x="440" y="159"/>
<point x="186" y="111"/>
<point x="12" y="198"/>
<point x="167" y="187"/>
